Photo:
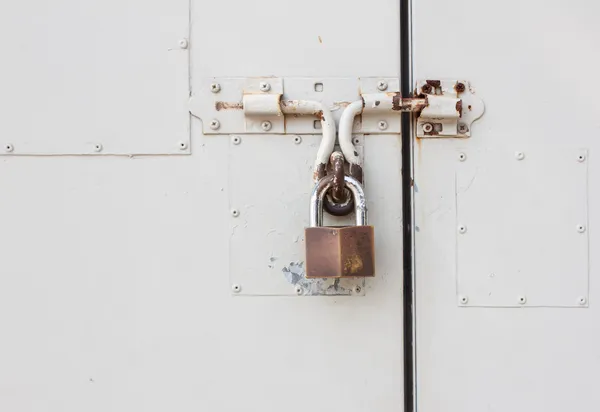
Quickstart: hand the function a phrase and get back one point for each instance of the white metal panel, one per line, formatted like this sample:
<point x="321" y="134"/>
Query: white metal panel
<point x="94" y="77"/>
<point x="115" y="294"/>
<point x="520" y="240"/>
<point x="525" y="59"/>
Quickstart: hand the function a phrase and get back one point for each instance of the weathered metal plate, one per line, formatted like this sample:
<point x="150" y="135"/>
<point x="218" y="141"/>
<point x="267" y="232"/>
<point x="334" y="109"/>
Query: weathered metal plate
<point x="521" y="239"/>
<point x="125" y="92"/>
<point x="269" y="204"/>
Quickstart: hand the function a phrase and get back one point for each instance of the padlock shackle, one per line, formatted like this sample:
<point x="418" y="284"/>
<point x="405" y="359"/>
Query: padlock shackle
<point x="318" y="196"/>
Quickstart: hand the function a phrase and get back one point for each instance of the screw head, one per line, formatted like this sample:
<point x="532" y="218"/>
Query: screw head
<point x="522" y="300"/>
<point x="266" y="125"/>
<point x="581" y="158"/>
<point x="462" y="157"/>
<point x="459" y="87"/>
<point x="382" y="85"/>
<point x="264" y="87"/>
<point x="581" y="228"/>
<point x="183" y="43"/>
<point x="236" y="288"/>
<point x="462" y="229"/>
<point x="215" y="124"/>
<point x="236" y="140"/>
<point x="382" y="125"/>
<point x="235" y="212"/>
<point x="97" y="147"/>
<point x="519" y="155"/>
<point x="8" y="147"/>
<point x="215" y="87"/>
<point x="463" y="300"/>
<point x="299" y="290"/>
<point x="182" y="145"/>
<point x="427" y="127"/>
<point x="426" y="88"/>
<point x="463" y="128"/>
<point x="582" y="300"/>
<point x="297" y="139"/>
<point x="357" y="289"/>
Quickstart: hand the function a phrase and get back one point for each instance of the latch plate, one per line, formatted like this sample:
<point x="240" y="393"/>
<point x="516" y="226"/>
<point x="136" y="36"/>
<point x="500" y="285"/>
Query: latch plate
<point x="451" y="110"/>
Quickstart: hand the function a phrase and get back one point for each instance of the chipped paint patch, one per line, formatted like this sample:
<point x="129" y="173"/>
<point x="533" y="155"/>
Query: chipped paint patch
<point x="294" y="273"/>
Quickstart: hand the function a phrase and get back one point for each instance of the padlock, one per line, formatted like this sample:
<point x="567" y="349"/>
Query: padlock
<point x="344" y="251"/>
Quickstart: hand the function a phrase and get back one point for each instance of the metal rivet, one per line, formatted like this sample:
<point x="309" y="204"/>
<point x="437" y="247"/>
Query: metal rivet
<point x="266" y="125"/>
<point x="215" y="124"/>
<point x="299" y="290"/>
<point x="582" y="300"/>
<point x="462" y="157"/>
<point x="463" y="300"/>
<point x="215" y="87"/>
<point x="97" y="147"/>
<point x="462" y="229"/>
<point x="236" y="139"/>
<point x="182" y="145"/>
<point x="382" y="85"/>
<point x="580" y="228"/>
<point x="9" y="147"/>
<point x="356" y="141"/>
<point x="427" y="128"/>
<point x="519" y="155"/>
<point x="235" y="212"/>
<point x="297" y="139"/>
<point x="183" y="43"/>
<point x="581" y="158"/>
<point x="357" y="289"/>
<point x="522" y="300"/>
<point x="264" y="87"/>
<point x="463" y="128"/>
<point x="236" y="288"/>
<point x="382" y="125"/>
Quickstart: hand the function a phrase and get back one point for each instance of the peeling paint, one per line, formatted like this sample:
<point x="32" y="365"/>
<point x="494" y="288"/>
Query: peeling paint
<point x="294" y="273"/>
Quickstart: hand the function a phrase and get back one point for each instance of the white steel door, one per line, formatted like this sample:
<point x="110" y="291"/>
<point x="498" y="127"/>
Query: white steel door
<point x="506" y="263"/>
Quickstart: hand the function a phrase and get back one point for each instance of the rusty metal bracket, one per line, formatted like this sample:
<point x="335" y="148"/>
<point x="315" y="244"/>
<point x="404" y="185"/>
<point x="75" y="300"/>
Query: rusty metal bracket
<point x="451" y="108"/>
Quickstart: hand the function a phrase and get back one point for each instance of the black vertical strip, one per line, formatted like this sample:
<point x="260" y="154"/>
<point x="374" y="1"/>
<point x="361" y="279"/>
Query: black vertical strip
<point x="407" y="207"/>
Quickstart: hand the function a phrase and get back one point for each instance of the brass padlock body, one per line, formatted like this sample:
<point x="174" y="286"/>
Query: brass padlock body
<point x="336" y="252"/>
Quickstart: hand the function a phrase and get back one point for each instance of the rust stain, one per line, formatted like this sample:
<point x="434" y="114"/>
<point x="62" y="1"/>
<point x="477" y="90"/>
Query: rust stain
<point x="320" y="40"/>
<point x="459" y="108"/>
<point x="353" y="264"/>
<point x="470" y="107"/>
<point x="427" y="89"/>
<point x="459" y="87"/>
<point x="409" y="104"/>
<point x="229" y="105"/>
<point x="434" y="83"/>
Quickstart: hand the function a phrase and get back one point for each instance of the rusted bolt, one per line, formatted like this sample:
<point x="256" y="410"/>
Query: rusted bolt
<point x="266" y="125"/>
<point x="265" y="87"/>
<point x="382" y="85"/>
<point x="462" y="128"/>
<point x="459" y="87"/>
<point x="215" y="124"/>
<point x="427" y="89"/>
<point x="427" y="128"/>
<point x="382" y="125"/>
<point x="215" y="87"/>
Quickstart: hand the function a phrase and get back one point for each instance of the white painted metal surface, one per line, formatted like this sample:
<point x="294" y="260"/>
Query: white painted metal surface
<point x="116" y="282"/>
<point x="524" y="58"/>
